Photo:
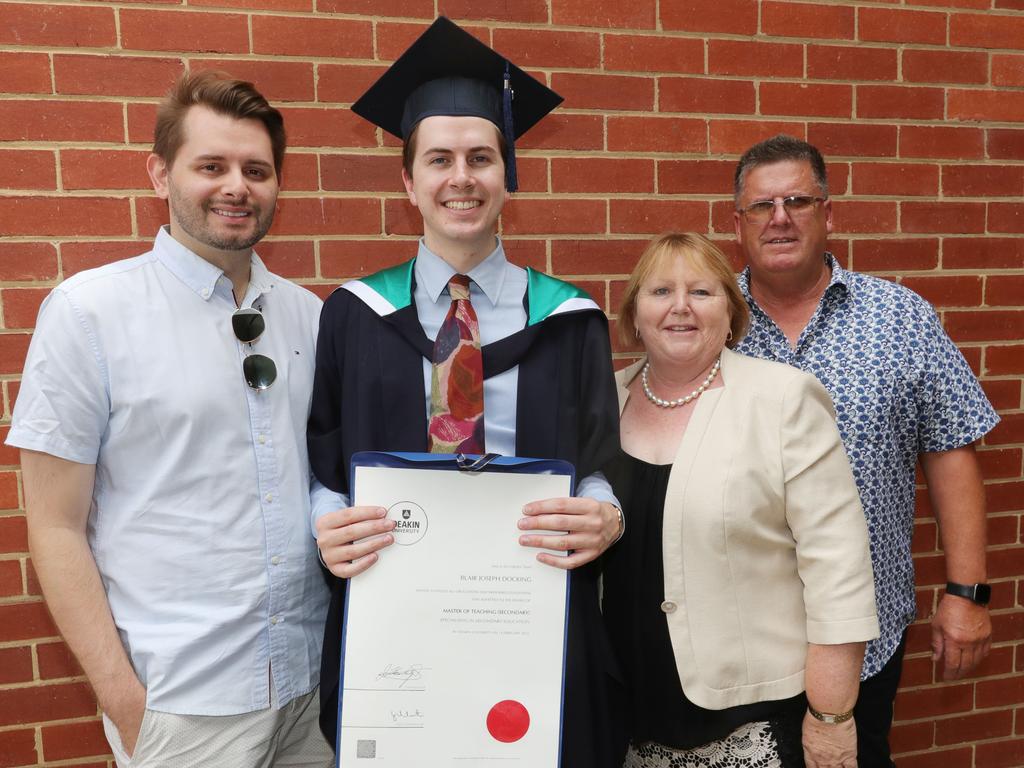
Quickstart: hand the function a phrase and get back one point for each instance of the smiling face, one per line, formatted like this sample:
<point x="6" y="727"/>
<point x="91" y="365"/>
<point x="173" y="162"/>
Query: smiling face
<point x="682" y="315"/>
<point x="458" y="185"/>
<point x="785" y="243"/>
<point x="221" y="187"/>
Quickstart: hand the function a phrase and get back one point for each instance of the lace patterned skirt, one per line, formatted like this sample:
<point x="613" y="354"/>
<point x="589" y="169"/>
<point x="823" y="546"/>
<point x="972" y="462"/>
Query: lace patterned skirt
<point x="750" y="746"/>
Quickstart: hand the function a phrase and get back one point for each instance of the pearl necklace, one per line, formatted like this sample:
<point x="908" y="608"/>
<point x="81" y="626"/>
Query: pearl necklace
<point x="682" y="400"/>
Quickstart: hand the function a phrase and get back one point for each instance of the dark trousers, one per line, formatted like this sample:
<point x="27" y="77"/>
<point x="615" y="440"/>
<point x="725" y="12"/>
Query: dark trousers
<point x="873" y="712"/>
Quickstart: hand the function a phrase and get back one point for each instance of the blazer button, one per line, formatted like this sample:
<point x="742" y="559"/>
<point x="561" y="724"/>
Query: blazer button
<point x="668" y="606"/>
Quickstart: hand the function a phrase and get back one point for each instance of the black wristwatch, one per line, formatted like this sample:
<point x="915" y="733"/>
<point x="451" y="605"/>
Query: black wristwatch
<point x="976" y="593"/>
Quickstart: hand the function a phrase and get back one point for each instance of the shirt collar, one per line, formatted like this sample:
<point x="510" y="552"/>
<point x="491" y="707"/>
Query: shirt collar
<point x="433" y="273"/>
<point x="199" y="274"/>
<point x="840" y="278"/>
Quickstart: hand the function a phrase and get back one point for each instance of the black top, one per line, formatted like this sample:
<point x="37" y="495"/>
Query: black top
<point x="634" y="589"/>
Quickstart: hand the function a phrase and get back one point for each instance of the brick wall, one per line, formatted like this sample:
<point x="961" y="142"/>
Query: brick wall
<point x="918" y="105"/>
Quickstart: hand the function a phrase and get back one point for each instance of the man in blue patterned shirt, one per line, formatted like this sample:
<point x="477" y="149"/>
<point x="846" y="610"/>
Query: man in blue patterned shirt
<point x="902" y="392"/>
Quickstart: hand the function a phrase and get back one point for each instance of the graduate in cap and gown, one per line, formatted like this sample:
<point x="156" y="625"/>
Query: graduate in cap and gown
<point x="459" y="351"/>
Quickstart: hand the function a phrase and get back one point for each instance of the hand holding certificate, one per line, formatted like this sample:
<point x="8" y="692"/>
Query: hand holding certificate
<point x="454" y="644"/>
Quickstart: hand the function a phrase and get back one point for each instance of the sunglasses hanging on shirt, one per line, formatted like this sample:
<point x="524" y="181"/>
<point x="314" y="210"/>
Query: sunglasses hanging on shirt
<point x="259" y="370"/>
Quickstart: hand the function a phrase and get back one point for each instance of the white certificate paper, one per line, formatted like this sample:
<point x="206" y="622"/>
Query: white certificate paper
<point x="454" y="641"/>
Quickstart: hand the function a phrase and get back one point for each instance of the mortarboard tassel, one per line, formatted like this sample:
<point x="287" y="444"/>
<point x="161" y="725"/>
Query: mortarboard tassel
<point x="511" y="177"/>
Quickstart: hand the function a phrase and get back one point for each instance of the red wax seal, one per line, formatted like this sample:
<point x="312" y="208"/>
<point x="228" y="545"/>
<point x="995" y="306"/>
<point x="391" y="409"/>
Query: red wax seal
<point x="508" y="721"/>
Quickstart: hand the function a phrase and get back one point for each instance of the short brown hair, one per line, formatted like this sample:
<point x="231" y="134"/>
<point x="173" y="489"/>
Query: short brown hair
<point x="779" y="149"/>
<point x="409" y="149"/>
<point x="223" y="94"/>
<point x="702" y="254"/>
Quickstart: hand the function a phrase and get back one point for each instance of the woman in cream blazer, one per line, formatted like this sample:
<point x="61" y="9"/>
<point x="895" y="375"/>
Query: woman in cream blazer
<point x="766" y="570"/>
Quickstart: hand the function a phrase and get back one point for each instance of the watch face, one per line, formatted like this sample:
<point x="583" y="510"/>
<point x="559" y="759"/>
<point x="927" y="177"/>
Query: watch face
<point x="982" y="593"/>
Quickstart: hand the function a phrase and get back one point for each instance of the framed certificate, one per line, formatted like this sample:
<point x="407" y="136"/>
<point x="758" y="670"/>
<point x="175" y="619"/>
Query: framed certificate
<point x="453" y="645"/>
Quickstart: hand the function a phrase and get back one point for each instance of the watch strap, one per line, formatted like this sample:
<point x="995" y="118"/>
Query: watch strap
<point x="976" y="593"/>
<point x="828" y="717"/>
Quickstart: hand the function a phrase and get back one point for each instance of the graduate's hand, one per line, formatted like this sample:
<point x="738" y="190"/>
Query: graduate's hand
<point x="350" y="538"/>
<point x="585" y="528"/>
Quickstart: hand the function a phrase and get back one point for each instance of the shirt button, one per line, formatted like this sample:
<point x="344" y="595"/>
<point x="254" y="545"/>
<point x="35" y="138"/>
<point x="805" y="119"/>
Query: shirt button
<point x="275" y="560"/>
<point x="275" y="619"/>
<point x="205" y="293"/>
<point x="262" y="439"/>
<point x="668" y="606"/>
<point x="269" y="497"/>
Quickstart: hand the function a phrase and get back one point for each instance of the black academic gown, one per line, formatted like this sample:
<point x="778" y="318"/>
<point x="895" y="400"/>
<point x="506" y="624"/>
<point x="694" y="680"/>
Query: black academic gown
<point x="368" y="395"/>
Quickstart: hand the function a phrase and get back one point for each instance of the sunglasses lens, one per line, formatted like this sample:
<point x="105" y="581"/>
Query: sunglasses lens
<point x="248" y="324"/>
<point x="259" y="371"/>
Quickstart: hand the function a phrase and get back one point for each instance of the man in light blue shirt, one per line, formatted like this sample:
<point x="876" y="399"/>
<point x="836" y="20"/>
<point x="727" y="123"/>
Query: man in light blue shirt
<point x="162" y="421"/>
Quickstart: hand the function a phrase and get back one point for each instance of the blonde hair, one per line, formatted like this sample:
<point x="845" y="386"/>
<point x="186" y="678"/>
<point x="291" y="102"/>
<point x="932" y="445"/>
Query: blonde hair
<point x="702" y="254"/>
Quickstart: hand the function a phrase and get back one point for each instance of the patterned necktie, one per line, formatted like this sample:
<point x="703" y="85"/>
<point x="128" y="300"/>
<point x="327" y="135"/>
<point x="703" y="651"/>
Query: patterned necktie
<point x="457" y="381"/>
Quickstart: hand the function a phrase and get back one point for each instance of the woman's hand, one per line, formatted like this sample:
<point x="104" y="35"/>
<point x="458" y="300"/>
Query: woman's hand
<point x="829" y="745"/>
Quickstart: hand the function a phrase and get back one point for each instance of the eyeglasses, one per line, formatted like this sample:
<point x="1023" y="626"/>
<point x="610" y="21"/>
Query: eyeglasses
<point x="259" y="370"/>
<point x="794" y="205"/>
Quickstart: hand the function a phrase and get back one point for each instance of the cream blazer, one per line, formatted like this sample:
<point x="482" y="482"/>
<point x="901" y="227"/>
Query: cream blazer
<point x="764" y="539"/>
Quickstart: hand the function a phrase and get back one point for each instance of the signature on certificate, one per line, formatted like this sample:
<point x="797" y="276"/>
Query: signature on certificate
<point x="404" y="674"/>
<point x="398" y="715"/>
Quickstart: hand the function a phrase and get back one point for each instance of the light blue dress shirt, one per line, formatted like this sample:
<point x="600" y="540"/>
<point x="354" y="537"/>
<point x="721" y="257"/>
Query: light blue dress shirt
<point x="199" y="514"/>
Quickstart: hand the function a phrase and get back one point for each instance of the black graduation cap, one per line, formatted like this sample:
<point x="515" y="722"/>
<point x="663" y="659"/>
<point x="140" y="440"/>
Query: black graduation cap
<point x="447" y="71"/>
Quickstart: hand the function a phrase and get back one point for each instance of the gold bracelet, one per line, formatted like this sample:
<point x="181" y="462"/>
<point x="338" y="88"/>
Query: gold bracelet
<point x="827" y="717"/>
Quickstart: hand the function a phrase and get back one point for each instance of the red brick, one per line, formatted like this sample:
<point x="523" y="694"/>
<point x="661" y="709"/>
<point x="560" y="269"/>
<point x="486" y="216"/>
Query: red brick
<point x="24" y="621"/>
<point x="307" y="37"/>
<point x="64" y="216"/>
<point x="604" y="256"/>
<point x="789" y="19"/>
<point x="310" y="127"/>
<point x="561" y="131"/>
<point x="656" y="134"/>
<point x="1003" y="394"/>
<point x="106" y="75"/>
<point x="651" y="217"/>
<point x="706" y="96"/>
<point x="45" y="702"/>
<point x="994" y="325"/>
<point x="527" y="253"/>
<point x="402" y="218"/>
<point x="585" y="91"/>
<point x="60" y="121"/>
<point x="710" y="177"/>
<point x="942" y="218"/>
<point x="104" y="169"/>
<point x="736" y="136"/>
<point x="651" y="53"/>
<point x="1005" y="144"/>
<point x="556" y="216"/>
<point x="983" y="180"/>
<point x="747" y="57"/>
<point x="938" y="66"/>
<point x="10" y="396"/>
<point x="28" y="169"/>
<point x="1009" y="430"/>
<point x="289" y="258"/>
<point x="1006" y="217"/>
<point x="896" y="179"/>
<point x="392" y="39"/>
<point x="934" y="701"/>
<point x="56" y="661"/>
<point x="905" y="737"/>
<point x="174" y="30"/>
<point x="70" y="740"/>
<point x="13" y="534"/>
<point x="269" y="5"/>
<point x="949" y="758"/>
<point x="9" y="455"/>
<point x="21" y="305"/>
<point x="941" y="142"/>
<point x="982" y="253"/>
<point x="1008" y="69"/>
<point x="1002" y="105"/>
<point x="835" y="62"/>
<point x="592" y="174"/>
<point x="875" y="101"/>
<point x="901" y="254"/>
<point x="605" y="13"/>
<point x="527" y="11"/>
<point x="988" y="30"/>
<point x="1004" y="290"/>
<point x="1001" y="754"/>
<point x="25" y="72"/>
<point x="355" y="258"/>
<point x="8" y="480"/>
<point x="57" y="26"/>
<point x="141" y="121"/>
<point x="852" y="216"/>
<point x="417" y="9"/>
<point x="18" y="747"/>
<point x="362" y="173"/>
<point x="327" y="216"/>
<point x="277" y="80"/>
<point x="11" y="583"/>
<point x="999" y="361"/>
<point x="300" y="172"/>
<point x="1010" y="5"/>
<point x="549" y="48"/>
<point x="15" y="665"/>
<point x="947" y="290"/>
<point x="818" y="100"/>
<point x="737" y="17"/>
<point x="890" y="25"/>
<point x="853" y="140"/>
<point x="345" y="82"/>
<point x="76" y="257"/>
<point x="1008" y="626"/>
